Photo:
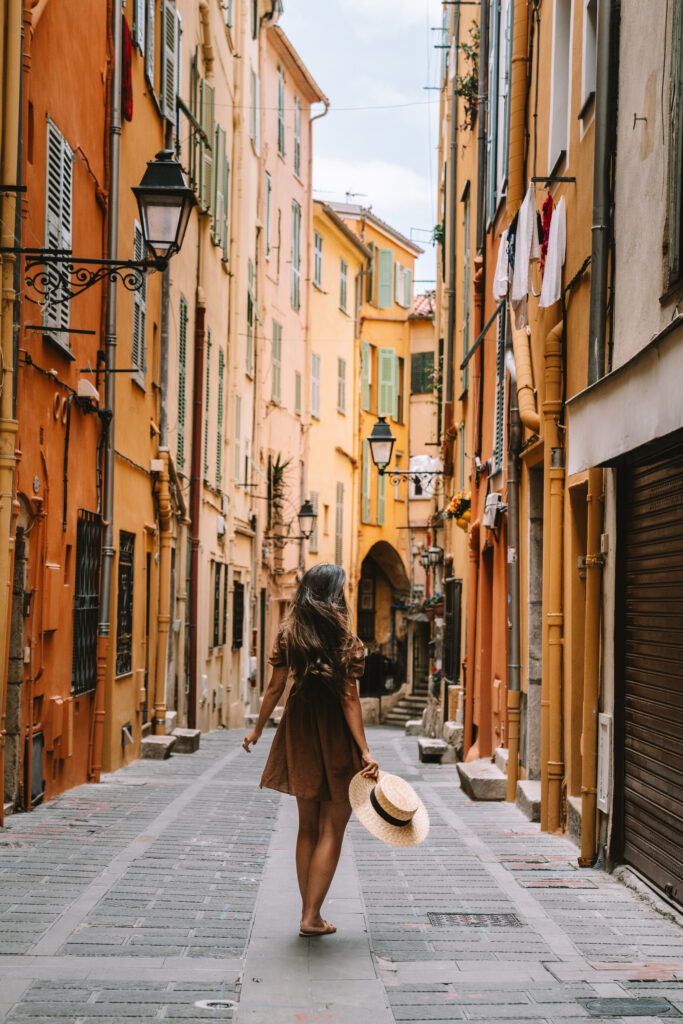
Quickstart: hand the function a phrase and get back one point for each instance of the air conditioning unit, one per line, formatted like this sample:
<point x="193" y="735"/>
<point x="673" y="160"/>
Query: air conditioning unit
<point x="493" y="510"/>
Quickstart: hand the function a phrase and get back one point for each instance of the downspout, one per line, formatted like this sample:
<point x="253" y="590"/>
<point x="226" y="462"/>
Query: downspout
<point x="109" y="402"/>
<point x="518" y="98"/>
<point x="552" y="767"/>
<point x="514" y="664"/>
<point x="481" y="117"/>
<point x="526" y="392"/>
<point x="165" y="519"/>
<point x="471" y="634"/>
<point x="196" y="488"/>
<point x="452" y="160"/>
<point x="11" y="120"/>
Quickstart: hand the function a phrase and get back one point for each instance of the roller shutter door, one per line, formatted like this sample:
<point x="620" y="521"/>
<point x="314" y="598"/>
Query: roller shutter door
<point x="652" y="668"/>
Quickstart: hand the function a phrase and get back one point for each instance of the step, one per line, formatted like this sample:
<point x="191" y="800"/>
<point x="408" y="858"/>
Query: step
<point x="413" y="726"/>
<point x="481" y="780"/>
<point x="157" y="748"/>
<point x="187" y="740"/>
<point x="431" y="750"/>
<point x="529" y="798"/>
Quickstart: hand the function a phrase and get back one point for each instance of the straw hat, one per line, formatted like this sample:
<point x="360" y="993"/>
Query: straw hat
<point x="390" y="809"/>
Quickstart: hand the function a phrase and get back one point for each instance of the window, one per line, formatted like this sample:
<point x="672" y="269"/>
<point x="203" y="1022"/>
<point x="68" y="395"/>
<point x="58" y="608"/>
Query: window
<point x="182" y="381"/>
<point x="403" y="286"/>
<point x="381" y="498"/>
<point x="237" y="615"/>
<point x="461" y="453"/>
<point x="251" y="307"/>
<point x="170" y="42"/>
<point x="138" y="334"/>
<point x="339" y="524"/>
<point x="219" y="418"/>
<point x="365" y="484"/>
<point x="216" y="572"/>
<point x="387" y="369"/>
<point x="149" y="42"/>
<point x="560" y="84"/>
<point x="87" y="602"/>
<point x="421" y="370"/>
<point x="296" y="255"/>
<point x="269" y="189"/>
<point x="254" y="19"/>
<point x="220" y="193"/>
<point x="317" y="260"/>
<point x="238" y="431"/>
<point x="227" y="7"/>
<point x="297" y="136"/>
<point x="343" y="280"/>
<point x="58" y="204"/>
<point x="590" y="53"/>
<point x="371" y="272"/>
<point x="280" y="110"/>
<point x="466" y="290"/>
<point x="497" y="128"/>
<point x="341" y="385"/>
<point x="675" y="202"/>
<point x="276" y="362"/>
<point x="385" y="278"/>
<point x="366" y="375"/>
<point x="207" y="400"/>
<point x="224" y="624"/>
<point x="297" y="393"/>
<point x="124" y="611"/>
<point x="313" y="539"/>
<point x="255" y="117"/>
<point x="499" y="408"/>
<point x="315" y="385"/>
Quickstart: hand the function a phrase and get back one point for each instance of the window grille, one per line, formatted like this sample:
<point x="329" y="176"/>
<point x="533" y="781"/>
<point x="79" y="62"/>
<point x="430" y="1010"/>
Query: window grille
<point x="124" y="615"/>
<point x="237" y="614"/>
<point x="421" y="370"/>
<point x="86" y="602"/>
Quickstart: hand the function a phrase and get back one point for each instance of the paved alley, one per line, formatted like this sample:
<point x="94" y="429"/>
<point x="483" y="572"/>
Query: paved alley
<point x="169" y="892"/>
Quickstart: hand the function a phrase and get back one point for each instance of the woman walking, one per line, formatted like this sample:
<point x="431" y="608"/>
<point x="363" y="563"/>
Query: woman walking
<point x="320" y="743"/>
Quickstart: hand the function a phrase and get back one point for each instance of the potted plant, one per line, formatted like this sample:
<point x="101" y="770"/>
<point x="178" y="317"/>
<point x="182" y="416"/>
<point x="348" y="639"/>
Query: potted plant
<point x="460" y="509"/>
<point x="433" y="606"/>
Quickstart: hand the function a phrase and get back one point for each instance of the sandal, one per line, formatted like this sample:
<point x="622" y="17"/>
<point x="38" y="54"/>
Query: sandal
<point x="329" y="929"/>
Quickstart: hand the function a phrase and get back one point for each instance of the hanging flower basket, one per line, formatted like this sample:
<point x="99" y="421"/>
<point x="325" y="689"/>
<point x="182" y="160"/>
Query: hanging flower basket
<point x="459" y="508"/>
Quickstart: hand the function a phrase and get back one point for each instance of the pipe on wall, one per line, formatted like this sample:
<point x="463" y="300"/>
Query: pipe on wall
<point x="591" y="669"/>
<point x="164" y="610"/>
<point x="552" y="768"/>
<point x="196" y="498"/>
<point x="526" y="393"/>
<point x="452" y="202"/>
<point x="516" y="434"/>
<point x="518" y="95"/>
<point x="468" y="679"/>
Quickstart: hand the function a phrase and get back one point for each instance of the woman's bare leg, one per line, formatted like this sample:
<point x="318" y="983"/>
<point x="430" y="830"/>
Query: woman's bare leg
<point x="309" y="813"/>
<point x="332" y="822"/>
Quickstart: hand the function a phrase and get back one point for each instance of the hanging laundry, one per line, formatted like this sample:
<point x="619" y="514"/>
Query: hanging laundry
<point x="503" y="274"/>
<point x="452" y="62"/>
<point x="557" y="247"/>
<point x="526" y="246"/>
<point x="548" y="207"/>
<point x="512" y="241"/>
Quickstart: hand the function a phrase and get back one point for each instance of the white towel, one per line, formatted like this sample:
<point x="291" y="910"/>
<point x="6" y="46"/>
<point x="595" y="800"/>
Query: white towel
<point x="501" y="278"/>
<point x="557" y="248"/>
<point x="526" y="246"/>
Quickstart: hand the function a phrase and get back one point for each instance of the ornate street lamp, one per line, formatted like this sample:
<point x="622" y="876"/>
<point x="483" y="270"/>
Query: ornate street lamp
<point x="434" y="555"/>
<point x="381" y="443"/>
<point x="164" y="202"/>
<point x="424" y="558"/>
<point x="307" y="517"/>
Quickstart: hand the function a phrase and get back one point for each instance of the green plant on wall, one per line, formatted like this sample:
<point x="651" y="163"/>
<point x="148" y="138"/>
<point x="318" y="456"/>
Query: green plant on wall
<point x="277" y="489"/>
<point x="467" y="85"/>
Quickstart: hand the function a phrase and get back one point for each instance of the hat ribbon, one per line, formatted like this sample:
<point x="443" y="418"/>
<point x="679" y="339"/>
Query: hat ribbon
<point x="385" y="814"/>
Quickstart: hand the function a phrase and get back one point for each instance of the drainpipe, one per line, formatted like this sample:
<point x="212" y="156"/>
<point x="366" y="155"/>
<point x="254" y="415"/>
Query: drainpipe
<point x="471" y="631"/>
<point x="11" y="114"/>
<point x="605" y="136"/>
<point x="591" y="669"/>
<point x="526" y="393"/>
<point x="481" y="118"/>
<point x="452" y="202"/>
<point x="109" y="402"/>
<point x="514" y="666"/>
<point x="553" y="510"/>
<point x="518" y="87"/>
<point x="196" y="492"/>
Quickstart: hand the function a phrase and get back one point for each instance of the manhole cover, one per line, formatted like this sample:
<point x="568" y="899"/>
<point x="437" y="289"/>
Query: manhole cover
<point x="438" y="920"/>
<point x="638" y="1007"/>
<point x="215" y="1004"/>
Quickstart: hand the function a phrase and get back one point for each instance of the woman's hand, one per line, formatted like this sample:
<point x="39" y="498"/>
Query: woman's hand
<point x="370" y="769"/>
<point x="252" y="737"/>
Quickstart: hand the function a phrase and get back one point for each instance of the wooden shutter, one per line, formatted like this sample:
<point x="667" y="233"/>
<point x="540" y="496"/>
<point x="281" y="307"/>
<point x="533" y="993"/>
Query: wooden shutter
<point x="297" y="392"/>
<point x="339" y="524"/>
<point x="296" y="255"/>
<point x="150" y="54"/>
<point x="238" y="431"/>
<point x="385" y="278"/>
<point x="206" y="165"/>
<point x="365" y="484"/>
<point x="381" y="499"/>
<point x="386" y="405"/>
<point x="182" y="381"/>
<point x="499" y="410"/>
<point x="169" y="53"/>
<point x="219" y="418"/>
<point x="313" y="539"/>
<point x="58" y="216"/>
<point x="341" y="385"/>
<point x="398" y="293"/>
<point x="237" y="614"/>
<point x="226" y="209"/>
<point x="407" y="288"/>
<point x="365" y="364"/>
<point x="492" y="111"/>
<point x="139" y="25"/>
<point x="138" y="346"/>
<point x="207" y="399"/>
<point x="397" y="390"/>
<point x="315" y="385"/>
<point x="219" y="185"/>
<point x="371" y="273"/>
<point x="280" y="110"/>
<point x="277" y="362"/>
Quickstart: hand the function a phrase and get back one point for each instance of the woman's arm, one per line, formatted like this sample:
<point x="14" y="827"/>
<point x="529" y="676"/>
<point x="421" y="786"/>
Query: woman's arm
<point x="274" y="690"/>
<point x="354" y="717"/>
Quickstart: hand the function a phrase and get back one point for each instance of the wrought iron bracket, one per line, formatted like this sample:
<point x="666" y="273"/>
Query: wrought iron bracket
<point x="57" y="276"/>
<point x="413" y="474"/>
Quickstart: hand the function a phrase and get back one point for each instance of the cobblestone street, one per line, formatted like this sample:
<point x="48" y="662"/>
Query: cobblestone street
<point x="169" y="892"/>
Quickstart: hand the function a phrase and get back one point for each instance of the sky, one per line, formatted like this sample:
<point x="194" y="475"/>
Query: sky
<point x="377" y="55"/>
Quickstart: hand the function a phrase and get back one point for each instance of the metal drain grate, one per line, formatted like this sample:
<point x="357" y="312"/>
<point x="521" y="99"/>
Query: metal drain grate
<point x="641" y="1006"/>
<point x="439" y="920"/>
<point x="215" y="1004"/>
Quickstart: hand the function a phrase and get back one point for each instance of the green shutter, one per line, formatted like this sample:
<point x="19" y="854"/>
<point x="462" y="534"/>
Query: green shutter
<point x="182" y="381"/>
<point x="226" y="209"/>
<point x="238" y="431"/>
<point x="276" y="362"/>
<point x="169" y="51"/>
<point x="365" y="484"/>
<point x="385" y="278"/>
<point x="365" y="376"/>
<point x="397" y="391"/>
<point x="149" y="50"/>
<point x="206" y="160"/>
<point x="408" y="288"/>
<point x="297" y="392"/>
<point x="139" y="25"/>
<point x="219" y="419"/>
<point x="219" y="196"/>
<point x="398" y="297"/>
<point x="381" y="498"/>
<point x="386" y="376"/>
<point x="371" y="273"/>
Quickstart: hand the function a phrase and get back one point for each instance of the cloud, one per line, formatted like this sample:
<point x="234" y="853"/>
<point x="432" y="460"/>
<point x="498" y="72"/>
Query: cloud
<point x="396" y="193"/>
<point x="384" y="17"/>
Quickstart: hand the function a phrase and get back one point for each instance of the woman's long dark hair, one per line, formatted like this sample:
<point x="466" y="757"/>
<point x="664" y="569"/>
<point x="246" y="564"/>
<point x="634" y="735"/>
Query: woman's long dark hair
<point x="317" y="635"/>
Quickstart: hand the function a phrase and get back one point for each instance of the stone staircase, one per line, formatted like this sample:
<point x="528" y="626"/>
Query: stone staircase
<point x="408" y="707"/>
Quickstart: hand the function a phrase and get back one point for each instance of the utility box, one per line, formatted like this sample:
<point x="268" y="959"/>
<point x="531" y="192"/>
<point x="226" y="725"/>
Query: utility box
<point x="493" y="510"/>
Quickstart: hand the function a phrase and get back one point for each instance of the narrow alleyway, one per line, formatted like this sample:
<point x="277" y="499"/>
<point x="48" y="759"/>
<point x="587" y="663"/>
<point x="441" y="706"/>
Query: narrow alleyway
<point x="168" y="892"/>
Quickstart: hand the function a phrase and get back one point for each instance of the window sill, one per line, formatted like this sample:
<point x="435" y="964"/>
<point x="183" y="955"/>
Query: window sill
<point x="318" y="287"/>
<point x="315" y="416"/>
<point x="124" y="675"/>
<point x="586" y="106"/>
<point x="139" y="380"/>
<point x="673" y="292"/>
<point x="58" y="345"/>
<point x="342" y="412"/>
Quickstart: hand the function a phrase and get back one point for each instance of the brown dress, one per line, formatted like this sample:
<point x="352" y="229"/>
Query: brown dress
<point x="313" y="755"/>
